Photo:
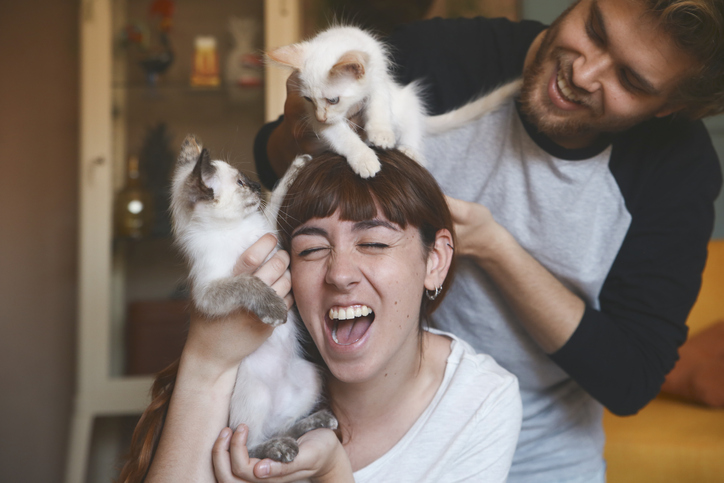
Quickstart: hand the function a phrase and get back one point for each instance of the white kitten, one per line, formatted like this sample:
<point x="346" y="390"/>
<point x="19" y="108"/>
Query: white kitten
<point x="344" y="70"/>
<point x="217" y="215"/>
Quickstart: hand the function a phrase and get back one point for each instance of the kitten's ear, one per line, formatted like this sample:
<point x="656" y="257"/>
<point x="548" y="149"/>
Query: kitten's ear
<point x="352" y="63"/>
<point x="203" y="170"/>
<point x="190" y="150"/>
<point x="289" y="55"/>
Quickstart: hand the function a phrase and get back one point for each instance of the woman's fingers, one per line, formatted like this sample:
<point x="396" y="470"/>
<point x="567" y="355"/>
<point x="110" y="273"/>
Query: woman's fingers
<point x="220" y="457"/>
<point x="231" y="458"/>
<point x="250" y="261"/>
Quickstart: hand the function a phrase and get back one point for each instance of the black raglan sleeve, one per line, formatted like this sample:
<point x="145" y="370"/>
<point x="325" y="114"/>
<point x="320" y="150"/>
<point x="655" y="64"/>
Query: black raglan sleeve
<point x="456" y="60"/>
<point x="669" y="175"/>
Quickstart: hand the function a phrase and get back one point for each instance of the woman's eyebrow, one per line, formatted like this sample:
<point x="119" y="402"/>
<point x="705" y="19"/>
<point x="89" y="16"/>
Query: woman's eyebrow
<point x="367" y="224"/>
<point x="310" y="230"/>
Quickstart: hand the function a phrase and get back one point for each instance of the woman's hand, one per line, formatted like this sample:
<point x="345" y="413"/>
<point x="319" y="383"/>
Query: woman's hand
<point x="321" y="458"/>
<point x="220" y="344"/>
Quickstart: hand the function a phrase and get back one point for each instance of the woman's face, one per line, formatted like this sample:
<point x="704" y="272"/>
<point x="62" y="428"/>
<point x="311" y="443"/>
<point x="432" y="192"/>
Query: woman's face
<point x="358" y="287"/>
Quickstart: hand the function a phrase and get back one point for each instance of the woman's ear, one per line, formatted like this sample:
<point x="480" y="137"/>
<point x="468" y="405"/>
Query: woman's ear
<point x="439" y="260"/>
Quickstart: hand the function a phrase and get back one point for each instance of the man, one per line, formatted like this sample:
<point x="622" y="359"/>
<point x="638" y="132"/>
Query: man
<point x="588" y="203"/>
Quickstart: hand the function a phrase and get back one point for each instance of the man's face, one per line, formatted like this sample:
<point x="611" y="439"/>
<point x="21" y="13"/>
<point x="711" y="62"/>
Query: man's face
<point x="601" y="67"/>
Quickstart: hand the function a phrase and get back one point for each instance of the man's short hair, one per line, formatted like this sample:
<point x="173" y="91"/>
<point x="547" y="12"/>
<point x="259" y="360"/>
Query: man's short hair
<point x="696" y="26"/>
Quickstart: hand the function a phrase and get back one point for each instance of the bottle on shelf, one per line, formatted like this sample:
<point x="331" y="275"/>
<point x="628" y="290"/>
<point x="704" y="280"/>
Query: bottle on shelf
<point x="133" y="206"/>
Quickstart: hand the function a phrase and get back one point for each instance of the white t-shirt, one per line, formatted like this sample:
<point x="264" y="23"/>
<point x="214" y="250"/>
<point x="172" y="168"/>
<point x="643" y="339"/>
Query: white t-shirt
<point x="467" y="433"/>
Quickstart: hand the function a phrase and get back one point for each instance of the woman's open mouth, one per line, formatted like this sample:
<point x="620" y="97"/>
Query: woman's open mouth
<point x="349" y="324"/>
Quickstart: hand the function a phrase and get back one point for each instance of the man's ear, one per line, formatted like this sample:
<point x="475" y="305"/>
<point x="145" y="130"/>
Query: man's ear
<point x="666" y="110"/>
<point x="439" y="259"/>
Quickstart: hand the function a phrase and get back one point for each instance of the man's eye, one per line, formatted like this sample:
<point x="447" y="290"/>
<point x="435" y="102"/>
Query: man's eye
<point x="333" y="100"/>
<point x="628" y="84"/>
<point x="592" y="34"/>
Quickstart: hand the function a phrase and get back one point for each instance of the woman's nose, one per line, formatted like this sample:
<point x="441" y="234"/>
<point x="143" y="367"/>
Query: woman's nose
<point x="590" y="69"/>
<point x="342" y="271"/>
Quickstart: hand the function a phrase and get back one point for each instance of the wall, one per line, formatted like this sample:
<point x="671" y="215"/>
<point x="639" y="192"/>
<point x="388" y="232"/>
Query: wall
<point x="38" y="223"/>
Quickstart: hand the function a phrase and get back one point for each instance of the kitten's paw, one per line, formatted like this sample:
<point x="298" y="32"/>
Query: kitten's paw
<point x="283" y="449"/>
<point x="321" y="419"/>
<point x="381" y="137"/>
<point x="324" y="419"/>
<point x="365" y="163"/>
<point x="413" y="154"/>
<point x="274" y="312"/>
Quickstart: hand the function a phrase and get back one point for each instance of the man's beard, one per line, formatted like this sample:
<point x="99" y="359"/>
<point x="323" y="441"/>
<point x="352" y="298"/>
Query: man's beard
<point x="539" y="110"/>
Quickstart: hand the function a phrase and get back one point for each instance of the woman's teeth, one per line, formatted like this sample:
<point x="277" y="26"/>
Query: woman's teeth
<point x="566" y="89"/>
<point x="349" y="323"/>
<point x="346" y="313"/>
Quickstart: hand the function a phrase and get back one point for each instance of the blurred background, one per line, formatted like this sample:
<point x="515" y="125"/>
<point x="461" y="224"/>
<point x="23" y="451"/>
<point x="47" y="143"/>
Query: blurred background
<point x="156" y="61"/>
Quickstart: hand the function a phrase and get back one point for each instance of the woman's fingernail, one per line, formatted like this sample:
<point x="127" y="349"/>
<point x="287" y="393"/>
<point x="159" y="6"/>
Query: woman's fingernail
<point x="263" y="468"/>
<point x="225" y="433"/>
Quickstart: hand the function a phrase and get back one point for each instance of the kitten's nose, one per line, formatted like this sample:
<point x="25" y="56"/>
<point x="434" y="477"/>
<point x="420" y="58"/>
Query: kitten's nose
<point x="322" y="117"/>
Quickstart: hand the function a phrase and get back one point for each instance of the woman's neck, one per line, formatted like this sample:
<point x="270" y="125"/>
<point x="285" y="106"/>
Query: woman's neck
<point x="377" y="413"/>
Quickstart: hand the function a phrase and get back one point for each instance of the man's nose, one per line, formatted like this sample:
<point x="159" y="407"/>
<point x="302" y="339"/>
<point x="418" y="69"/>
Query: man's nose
<point x="590" y="69"/>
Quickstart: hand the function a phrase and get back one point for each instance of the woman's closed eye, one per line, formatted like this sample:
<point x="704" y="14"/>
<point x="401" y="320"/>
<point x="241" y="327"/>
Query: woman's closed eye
<point x="312" y="252"/>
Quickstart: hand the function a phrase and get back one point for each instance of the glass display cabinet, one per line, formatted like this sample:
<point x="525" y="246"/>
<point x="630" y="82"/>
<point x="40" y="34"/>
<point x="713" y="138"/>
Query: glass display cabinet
<point x="152" y="71"/>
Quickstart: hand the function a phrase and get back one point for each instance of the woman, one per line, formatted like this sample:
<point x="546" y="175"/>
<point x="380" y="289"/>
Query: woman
<point x="413" y="404"/>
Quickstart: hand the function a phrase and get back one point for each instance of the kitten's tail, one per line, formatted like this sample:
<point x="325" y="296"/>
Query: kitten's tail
<point x="473" y="110"/>
<point x="148" y="430"/>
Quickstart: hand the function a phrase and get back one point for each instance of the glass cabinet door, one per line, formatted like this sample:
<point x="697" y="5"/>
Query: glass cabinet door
<point x="178" y="67"/>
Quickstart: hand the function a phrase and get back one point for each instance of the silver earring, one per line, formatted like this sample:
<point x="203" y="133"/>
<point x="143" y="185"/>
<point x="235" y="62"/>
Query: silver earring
<point x="432" y="296"/>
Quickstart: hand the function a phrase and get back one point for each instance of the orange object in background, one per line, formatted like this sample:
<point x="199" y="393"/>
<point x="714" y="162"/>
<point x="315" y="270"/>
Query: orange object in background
<point x="206" y="63"/>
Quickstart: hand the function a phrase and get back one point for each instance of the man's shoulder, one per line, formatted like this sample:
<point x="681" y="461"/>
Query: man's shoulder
<point x="666" y="156"/>
<point x="666" y="138"/>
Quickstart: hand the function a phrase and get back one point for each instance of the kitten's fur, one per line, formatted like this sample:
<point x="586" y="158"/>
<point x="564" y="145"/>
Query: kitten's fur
<point x="345" y="70"/>
<point x="217" y="215"/>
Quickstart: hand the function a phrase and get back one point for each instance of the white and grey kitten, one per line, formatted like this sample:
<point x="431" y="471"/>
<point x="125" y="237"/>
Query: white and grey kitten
<point x="346" y="70"/>
<point x="217" y="214"/>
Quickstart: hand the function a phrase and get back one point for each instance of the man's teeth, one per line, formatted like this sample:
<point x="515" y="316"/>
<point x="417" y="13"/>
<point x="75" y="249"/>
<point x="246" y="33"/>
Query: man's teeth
<point x="565" y="88"/>
<point x="346" y="313"/>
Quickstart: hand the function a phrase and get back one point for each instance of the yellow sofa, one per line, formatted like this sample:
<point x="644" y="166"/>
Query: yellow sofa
<point x="672" y="441"/>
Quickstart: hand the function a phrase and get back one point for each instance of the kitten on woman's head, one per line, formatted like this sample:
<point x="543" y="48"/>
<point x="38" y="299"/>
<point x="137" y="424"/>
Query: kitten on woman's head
<point x="344" y="71"/>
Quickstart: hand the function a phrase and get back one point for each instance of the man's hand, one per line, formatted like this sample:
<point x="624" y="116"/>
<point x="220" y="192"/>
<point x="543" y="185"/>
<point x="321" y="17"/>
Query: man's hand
<point x="295" y="135"/>
<point x="475" y="229"/>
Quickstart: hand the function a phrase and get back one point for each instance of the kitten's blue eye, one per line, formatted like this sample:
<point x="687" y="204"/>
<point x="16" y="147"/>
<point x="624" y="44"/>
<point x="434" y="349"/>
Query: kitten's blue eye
<point x="240" y="182"/>
<point x="333" y="100"/>
<point x="307" y="98"/>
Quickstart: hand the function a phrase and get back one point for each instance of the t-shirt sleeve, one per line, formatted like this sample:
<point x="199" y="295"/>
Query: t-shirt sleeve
<point x="669" y="177"/>
<point x="457" y="60"/>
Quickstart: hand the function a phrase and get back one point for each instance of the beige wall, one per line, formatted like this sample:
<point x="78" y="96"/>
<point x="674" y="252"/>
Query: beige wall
<point x="38" y="224"/>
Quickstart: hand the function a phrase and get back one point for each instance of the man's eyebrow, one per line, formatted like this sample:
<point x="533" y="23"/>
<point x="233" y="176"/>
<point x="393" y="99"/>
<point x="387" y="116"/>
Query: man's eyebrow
<point x="598" y="20"/>
<point x="367" y="224"/>
<point x="310" y="230"/>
